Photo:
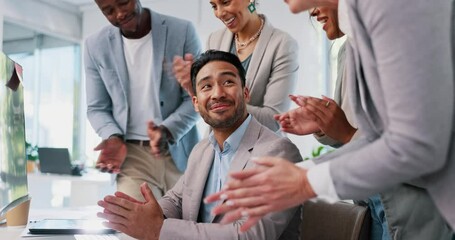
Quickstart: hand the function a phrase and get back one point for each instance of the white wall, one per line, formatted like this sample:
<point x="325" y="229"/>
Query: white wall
<point x="200" y="13"/>
<point x="43" y="18"/>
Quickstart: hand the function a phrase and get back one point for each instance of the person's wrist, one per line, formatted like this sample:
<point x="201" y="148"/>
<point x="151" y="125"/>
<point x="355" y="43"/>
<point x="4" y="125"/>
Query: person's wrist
<point x="319" y="133"/>
<point x="167" y="134"/>
<point x="308" y="191"/>
<point x="349" y="135"/>
<point x="116" y="135"/>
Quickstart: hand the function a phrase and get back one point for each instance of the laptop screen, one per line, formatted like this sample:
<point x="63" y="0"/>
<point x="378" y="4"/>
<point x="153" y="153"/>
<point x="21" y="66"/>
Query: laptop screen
<point x="55" y="160"/>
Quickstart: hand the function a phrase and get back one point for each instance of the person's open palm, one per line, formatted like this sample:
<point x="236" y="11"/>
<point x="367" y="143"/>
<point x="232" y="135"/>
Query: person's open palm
<point x="112" y="156"/>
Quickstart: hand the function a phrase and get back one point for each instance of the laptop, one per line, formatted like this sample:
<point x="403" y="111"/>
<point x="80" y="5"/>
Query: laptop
<point x="57" y="160"/>
<point x="69" y="226"/>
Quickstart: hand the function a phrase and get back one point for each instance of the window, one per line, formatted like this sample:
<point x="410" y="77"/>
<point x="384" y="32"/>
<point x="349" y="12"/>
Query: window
<point x="51" y="79"/>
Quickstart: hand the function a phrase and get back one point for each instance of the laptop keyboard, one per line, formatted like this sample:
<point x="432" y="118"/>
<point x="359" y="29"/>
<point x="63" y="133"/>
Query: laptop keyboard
<point x="97" y="237"/>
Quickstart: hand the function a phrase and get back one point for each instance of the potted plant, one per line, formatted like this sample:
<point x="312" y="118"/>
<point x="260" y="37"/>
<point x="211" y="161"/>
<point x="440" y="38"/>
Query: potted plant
<point x="32" y="157"/>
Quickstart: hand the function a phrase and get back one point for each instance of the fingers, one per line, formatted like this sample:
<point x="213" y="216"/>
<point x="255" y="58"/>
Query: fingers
<point x="233" y="184"/>
<point x="182" y="68"/>
<point x="249" y="223"/>
<point x="240" y="175"/>
<point x="299" y="100"/>
<point x="117" y="205"/>
<point x="112" y="210"/>
<point x="115" y="226"/>
<point x="151" y="126"/>
<point x="231" y="204"/>
<point x="157" y="139"/>
<point x="107" y="167"/>
<point x="328" y="99"/>
<point x="232" y="216"/>
<point x="214" y="197"/>
<point x="111" y="217"/>
<point x="238" y="214"/>
<point x="189" y="57"/>
<point x="147" y="193"/>
<point x="100" y="146"/>
<point x="127" y="197"/>
<point x="267" y="161"/>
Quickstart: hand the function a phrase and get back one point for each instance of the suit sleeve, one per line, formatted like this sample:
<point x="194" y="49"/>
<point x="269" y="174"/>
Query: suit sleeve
<point x="416" y="82"/>
<point x="269" y="227"/>
<point x="99" y="104"/>
<point x="171" y="203"/>
<point x="281" y="82"/>
<point x="184" y="117"/>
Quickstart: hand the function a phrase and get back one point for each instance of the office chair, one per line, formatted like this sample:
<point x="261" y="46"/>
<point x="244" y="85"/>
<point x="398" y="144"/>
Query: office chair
<point x="338" y="221"/>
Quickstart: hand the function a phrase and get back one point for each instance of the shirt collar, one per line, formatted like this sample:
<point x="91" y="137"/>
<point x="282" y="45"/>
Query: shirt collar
<point x="233" y="141"/>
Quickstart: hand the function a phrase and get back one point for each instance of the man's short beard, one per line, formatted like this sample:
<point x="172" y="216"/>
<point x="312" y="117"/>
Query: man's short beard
<point x="239" y="113"/>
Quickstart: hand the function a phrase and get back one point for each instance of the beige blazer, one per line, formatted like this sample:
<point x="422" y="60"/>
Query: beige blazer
<point x="181" y="204"/>
<point x="272" y="73"/>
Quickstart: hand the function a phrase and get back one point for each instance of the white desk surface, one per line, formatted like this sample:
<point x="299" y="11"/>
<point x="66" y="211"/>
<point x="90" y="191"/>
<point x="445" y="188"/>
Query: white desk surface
<point x="14" y="233"/>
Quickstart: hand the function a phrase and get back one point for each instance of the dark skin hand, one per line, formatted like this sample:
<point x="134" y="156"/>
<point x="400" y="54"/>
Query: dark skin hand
<point x="158" y="139"/>
<point x="113" y="154"/>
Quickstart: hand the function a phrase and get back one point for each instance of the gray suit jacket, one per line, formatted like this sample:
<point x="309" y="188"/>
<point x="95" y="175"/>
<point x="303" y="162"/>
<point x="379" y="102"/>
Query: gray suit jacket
<point x="272" y="73"/>
<point x="401" y="73"/>
<point x="181" y="204"/>
<point x="107" y="82"/>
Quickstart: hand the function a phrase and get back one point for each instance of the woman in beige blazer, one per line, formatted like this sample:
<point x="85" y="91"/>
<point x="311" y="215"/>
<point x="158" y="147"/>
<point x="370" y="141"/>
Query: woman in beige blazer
<point x="268" y="55"/>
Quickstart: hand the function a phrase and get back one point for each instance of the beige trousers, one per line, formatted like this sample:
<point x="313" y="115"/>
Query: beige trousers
<point x="140" y="166"/>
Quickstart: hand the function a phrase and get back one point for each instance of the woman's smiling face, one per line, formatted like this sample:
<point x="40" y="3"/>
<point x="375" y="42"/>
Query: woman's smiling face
<point x="233" y="13"/>
<point x="328" y="17"/>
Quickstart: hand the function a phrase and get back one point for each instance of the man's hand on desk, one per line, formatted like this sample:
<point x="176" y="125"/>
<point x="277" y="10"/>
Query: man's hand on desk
<point x="141" y="220"/>
<point x="112" y="156"/>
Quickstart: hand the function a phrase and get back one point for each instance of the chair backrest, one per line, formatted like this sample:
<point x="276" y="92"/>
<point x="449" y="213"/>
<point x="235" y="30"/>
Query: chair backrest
<point x="341" y="220"/>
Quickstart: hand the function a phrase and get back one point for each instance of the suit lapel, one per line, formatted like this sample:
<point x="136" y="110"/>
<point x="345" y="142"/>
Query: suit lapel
<point x="115" y="42"/>
<point x="200" y="179"/>
<point x="159" y="33"/>
<point x="258" y="53"/>
<point x="243" y="154"/>
<point x="226" y="40"/>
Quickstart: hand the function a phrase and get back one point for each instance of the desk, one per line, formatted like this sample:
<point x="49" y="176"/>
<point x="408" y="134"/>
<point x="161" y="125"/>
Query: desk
<point x="14" y="233"/>
<point x="57" y="191"/>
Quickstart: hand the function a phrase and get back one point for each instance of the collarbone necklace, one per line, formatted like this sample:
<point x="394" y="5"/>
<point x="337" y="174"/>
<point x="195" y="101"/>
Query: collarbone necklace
<point x="243" y="45"/>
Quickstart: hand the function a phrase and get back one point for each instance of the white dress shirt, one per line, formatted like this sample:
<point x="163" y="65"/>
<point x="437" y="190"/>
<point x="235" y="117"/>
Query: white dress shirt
<point x="319" y="175"/>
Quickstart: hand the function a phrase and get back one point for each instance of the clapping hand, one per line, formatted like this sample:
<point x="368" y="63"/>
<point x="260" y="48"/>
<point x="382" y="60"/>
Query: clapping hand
<point x="182" y="71"/>
<point x="112" y="156"/>
<point x="141" y="220"/>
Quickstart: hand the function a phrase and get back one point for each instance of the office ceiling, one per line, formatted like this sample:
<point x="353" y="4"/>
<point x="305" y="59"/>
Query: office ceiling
<point x="79" y="2"/>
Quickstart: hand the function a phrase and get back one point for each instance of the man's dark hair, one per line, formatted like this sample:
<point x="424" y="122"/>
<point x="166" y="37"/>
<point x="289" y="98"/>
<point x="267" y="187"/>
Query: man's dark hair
<point x="215" y="55"/>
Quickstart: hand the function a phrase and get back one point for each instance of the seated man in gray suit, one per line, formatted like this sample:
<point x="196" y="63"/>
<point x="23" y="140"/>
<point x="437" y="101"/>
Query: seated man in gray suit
<point x="220" y="97"/>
